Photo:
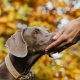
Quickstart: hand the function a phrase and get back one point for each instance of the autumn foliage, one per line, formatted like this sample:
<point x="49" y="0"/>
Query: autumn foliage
<point x="51" y="14"/>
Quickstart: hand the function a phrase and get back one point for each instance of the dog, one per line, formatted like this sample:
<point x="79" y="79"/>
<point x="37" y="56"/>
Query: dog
<point x="25" y="47"/>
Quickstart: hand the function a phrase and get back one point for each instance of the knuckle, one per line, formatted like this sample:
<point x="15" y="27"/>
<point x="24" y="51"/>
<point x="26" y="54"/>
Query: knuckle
<point x="70" y="41"/>
<point x="65" y="37"/>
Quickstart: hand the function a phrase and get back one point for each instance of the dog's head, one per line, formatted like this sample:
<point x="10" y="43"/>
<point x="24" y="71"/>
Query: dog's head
<point x="29" y="40"/>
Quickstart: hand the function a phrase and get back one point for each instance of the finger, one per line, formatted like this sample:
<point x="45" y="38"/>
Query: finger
<point x="73" y="37"/>
<point x="65" y="45"/>
<point x="58" y="34"/>
<point x="56" y="43"/>
<point x="76" y="37"/>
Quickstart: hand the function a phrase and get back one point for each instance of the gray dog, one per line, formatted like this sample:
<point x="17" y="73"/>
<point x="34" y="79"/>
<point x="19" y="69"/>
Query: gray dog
<point x="25" y="47"/>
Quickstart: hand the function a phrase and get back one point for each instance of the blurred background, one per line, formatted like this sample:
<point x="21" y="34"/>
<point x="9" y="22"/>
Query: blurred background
<point x="51" y="14"/>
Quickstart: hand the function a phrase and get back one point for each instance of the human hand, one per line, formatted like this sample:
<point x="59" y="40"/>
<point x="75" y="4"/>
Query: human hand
<point x="68" y="36"/>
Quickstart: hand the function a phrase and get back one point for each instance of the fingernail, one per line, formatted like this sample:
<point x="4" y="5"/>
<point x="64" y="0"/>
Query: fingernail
<point x="55" y="37"/>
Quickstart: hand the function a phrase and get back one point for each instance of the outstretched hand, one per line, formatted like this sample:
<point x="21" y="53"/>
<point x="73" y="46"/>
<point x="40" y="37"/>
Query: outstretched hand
<point x="68" y="36"/>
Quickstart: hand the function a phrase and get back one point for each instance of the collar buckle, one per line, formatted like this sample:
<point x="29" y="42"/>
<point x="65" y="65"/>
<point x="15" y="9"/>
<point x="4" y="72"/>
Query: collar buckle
<point x="29" y="76"/>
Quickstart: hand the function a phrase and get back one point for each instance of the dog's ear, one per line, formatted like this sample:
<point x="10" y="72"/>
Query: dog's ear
<point x="16" y="44"/>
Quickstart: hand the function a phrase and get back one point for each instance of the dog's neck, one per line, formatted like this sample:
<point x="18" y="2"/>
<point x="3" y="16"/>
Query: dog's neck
<point x="24" y="64"/>
<point x="20" y="64"/>
<point x="12" y="69"/>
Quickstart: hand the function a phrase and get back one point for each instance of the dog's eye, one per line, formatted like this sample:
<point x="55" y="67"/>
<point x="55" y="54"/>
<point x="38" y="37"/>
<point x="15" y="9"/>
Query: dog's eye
<point x="36" y="31"/>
